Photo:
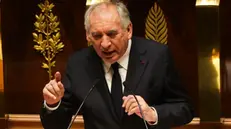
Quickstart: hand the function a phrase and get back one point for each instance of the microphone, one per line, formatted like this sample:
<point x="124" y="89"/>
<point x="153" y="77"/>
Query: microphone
<point x="73" y="119"/>
<point x="141" y="112"/>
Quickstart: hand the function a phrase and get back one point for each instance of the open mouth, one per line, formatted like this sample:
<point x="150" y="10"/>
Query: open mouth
<point x="108" y="53"/>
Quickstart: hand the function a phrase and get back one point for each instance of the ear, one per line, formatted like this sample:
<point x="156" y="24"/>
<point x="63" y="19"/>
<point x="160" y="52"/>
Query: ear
<point x="88" y="37"/>
<point x="130" y="31"/>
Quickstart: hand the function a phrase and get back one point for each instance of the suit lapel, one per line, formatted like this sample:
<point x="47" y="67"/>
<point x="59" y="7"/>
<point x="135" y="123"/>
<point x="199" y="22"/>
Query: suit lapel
<point x="96" y="71"/>
<point x="136" y="66"/>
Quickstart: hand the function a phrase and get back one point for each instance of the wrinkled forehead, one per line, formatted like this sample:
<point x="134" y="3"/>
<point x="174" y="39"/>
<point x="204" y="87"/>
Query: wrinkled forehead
<point x="104" y="13"/>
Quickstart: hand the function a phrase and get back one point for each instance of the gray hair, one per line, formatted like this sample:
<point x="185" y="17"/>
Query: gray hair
<point x="120" y="7"/>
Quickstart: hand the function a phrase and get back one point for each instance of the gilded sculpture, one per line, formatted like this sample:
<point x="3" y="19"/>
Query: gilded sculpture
<point x="47" y="36"/>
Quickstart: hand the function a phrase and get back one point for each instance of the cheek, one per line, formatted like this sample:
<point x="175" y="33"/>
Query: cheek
<point x="97" y="48"/>
<point x="121" y="46"/>
<point x="96" y="45"/>
<point x="117" y="45"/>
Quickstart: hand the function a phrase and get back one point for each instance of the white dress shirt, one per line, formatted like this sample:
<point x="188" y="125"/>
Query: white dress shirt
<point x="123" y="67"/>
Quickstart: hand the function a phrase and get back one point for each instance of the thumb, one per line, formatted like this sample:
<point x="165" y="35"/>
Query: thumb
<point x="57" y="76"/>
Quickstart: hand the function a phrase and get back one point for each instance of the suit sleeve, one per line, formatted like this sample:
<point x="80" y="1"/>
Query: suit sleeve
<point x="175" y="109"/>
<point x="60" y="118"/>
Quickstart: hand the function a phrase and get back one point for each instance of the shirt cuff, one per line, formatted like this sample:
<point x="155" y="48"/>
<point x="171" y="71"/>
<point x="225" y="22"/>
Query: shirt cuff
<point x="51" y="108"/>
<point x="156" y="122"/>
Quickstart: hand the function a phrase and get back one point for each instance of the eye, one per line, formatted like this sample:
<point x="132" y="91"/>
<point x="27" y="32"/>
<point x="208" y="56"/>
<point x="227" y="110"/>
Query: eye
<point x="96" y="36"/>
<point x="112" y="34"/>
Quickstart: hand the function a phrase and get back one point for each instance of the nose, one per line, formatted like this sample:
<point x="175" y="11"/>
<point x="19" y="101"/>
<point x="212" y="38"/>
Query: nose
<point x="105" y="43"/>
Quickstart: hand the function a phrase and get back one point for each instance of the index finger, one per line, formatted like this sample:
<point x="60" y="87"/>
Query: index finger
<point x="126" y="100"/>
<point x="60" y="85"/>
<point x="57" y="76"/>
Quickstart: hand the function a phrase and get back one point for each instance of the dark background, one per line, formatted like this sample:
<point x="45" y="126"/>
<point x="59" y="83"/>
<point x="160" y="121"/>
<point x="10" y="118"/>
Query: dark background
<point x="24" y="78"/>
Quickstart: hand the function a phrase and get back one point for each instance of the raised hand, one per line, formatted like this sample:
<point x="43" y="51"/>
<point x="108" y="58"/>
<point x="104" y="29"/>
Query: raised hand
<point x="54" y="90"/>
<point x="131" y="106"/>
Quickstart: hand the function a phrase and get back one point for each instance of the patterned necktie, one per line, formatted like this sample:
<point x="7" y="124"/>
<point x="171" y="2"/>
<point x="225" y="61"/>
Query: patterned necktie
<point x="116" y="90"/>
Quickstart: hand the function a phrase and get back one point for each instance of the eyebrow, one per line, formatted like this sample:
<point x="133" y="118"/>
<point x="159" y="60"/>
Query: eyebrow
<point x="95" y="33"/>
<point x="107" y="33"/>
<point x="112" y="32"/>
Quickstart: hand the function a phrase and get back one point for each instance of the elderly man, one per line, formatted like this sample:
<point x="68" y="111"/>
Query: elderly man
<point x="125" y="67"/>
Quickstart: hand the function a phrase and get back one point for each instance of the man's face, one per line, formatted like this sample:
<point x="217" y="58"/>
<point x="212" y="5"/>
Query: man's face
<point x="106" y="34"/>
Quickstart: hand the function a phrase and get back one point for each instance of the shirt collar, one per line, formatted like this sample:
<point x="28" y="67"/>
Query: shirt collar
<point x="123" y="61"/>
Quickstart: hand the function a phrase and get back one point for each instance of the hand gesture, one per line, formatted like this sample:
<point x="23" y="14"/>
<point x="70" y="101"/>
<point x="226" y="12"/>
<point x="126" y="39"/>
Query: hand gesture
<point x="54" y="90"/>
<point x="131" y="106"/>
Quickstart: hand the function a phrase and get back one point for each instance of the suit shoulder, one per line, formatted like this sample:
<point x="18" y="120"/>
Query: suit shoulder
<point x="150" y="45"/>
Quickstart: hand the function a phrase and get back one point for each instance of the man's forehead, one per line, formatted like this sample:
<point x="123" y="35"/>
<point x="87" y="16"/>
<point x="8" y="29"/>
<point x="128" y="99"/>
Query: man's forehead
<point x="104" y="29"/>
<point x="105" y="23"/>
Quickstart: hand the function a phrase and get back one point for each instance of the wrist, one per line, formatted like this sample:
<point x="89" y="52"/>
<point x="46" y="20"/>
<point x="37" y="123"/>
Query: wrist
<point x="52" y="105"/>
<point x="151" y="115"/>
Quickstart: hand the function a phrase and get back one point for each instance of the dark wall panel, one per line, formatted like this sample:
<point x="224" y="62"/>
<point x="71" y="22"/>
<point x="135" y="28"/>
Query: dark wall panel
<point x="24" y="78"/>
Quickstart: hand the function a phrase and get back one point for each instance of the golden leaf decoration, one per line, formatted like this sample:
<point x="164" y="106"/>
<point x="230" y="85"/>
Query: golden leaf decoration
<point x="47" y="35"/>
<point x="156" y="25"/>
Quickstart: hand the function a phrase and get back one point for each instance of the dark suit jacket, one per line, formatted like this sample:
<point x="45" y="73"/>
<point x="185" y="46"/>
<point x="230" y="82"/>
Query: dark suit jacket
<point x="151" y="74"/>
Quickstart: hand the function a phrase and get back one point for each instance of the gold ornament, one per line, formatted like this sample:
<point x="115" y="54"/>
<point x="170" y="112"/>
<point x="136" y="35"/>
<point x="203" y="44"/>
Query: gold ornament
<point x="156" y="26"/>
<point x="47" y="35"/>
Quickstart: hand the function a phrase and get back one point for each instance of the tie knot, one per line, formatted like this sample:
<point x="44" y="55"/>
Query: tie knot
<point x="115" y="66"/>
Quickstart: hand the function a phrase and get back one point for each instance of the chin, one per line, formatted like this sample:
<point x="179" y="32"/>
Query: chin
<point x="111" y="61"/>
